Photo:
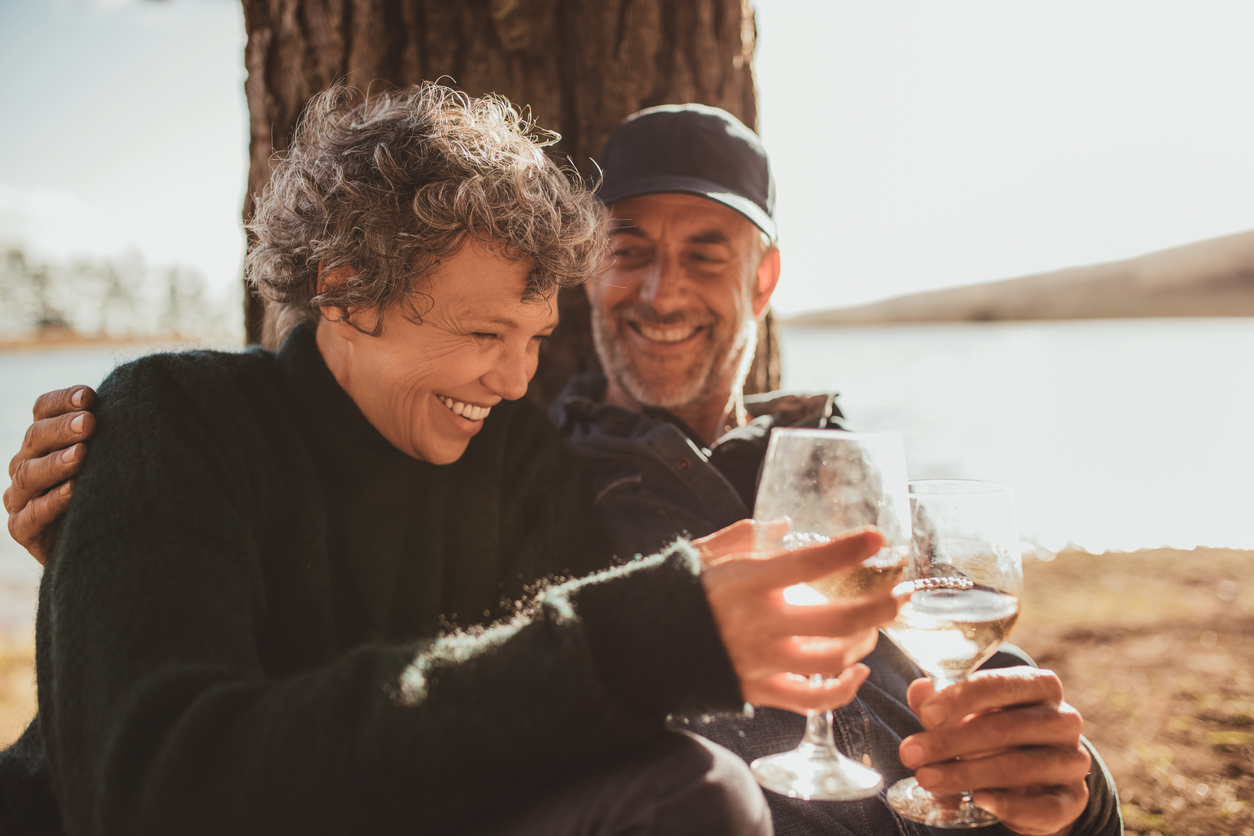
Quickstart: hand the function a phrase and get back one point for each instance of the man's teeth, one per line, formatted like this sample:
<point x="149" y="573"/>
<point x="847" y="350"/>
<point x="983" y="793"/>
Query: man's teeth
<point x="466" y="410"/>
<point x="672" y="334"/>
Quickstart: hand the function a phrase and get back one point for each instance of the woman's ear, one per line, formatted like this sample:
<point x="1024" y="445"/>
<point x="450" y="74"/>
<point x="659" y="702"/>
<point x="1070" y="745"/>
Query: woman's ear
<point x="332" y="279"/>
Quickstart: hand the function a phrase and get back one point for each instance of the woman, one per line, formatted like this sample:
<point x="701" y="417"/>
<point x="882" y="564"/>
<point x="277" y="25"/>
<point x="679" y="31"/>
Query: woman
<point x="251" y="620"/>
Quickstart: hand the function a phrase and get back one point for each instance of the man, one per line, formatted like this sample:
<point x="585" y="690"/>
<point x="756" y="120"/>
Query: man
<point x="668" y="445"/>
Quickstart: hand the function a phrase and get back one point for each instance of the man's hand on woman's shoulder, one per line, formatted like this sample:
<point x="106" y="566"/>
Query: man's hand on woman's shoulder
<point x="41" y="474"/>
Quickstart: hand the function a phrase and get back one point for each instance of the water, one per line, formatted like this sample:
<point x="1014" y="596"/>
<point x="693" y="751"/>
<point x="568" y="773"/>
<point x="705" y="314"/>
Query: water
<point x="1113" y="434"/>
<point x="24" y="375"/>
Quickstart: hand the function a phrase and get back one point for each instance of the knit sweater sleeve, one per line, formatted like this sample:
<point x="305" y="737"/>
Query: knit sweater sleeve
<point x="159" y="715"/>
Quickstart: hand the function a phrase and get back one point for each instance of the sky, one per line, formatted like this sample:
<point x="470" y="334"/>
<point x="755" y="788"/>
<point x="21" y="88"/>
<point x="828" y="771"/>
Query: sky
<point x="915" y="144"/>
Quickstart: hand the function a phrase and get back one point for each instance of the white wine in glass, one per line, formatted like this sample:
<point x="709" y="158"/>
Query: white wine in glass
<point x="965" y="577"/>
<point x="828" y="483"/>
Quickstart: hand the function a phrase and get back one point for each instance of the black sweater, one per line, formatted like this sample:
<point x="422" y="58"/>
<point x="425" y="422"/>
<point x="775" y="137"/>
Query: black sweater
<point x="248" y="626"/>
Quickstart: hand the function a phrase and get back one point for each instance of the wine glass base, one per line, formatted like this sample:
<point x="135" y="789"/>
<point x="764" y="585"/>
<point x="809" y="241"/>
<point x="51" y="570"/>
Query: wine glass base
<point x="910" y="801"/>
<point x="812" y="775"/>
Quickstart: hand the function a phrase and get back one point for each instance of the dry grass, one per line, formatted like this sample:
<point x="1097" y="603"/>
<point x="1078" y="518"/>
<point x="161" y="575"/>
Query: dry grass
<point x="1156" y="649"/>
<point x="17" y="686"/>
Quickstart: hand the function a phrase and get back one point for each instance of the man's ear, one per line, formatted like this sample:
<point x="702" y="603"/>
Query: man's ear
<point x="767" y="278"/>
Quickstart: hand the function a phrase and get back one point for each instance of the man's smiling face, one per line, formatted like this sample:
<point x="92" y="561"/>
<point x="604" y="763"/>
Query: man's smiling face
<point x="674" y="307"/>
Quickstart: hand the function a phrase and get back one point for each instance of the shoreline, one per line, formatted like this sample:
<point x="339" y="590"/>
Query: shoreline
<point x="69" y="341"/>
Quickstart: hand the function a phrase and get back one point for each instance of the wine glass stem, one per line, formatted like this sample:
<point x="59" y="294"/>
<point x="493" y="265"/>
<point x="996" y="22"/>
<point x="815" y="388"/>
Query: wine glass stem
<point x="940" y="683"/>
<point x="819" y="724"/>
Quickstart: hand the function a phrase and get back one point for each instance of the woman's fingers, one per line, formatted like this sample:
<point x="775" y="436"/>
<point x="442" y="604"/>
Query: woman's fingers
<point x="768" y="638"/>
<point x="767" y="573"/>
<point x="842" y="616"/>
<point x="799" y="695"/>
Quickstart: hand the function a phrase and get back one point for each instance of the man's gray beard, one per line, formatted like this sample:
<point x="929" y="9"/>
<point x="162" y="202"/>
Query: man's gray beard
<point x="699" y="379"/>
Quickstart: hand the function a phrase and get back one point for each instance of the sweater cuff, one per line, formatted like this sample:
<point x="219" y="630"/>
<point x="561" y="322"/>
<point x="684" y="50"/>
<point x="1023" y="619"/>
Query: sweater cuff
<point x="653" y="638"/>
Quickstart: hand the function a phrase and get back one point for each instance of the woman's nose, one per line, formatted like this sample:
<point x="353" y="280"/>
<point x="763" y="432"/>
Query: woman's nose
<point x="510" y="376"/>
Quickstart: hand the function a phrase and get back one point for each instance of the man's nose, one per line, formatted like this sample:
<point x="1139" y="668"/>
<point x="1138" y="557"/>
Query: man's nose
<point x="663" y="283"/>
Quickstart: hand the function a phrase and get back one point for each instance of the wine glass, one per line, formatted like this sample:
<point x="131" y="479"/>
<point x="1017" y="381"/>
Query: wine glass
<point x="827" y="483"/>
<point x="966" y="577"/>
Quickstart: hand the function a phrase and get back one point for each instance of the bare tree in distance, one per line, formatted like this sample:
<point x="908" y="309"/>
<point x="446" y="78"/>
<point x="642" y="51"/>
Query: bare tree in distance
<point x="581" y="65"/>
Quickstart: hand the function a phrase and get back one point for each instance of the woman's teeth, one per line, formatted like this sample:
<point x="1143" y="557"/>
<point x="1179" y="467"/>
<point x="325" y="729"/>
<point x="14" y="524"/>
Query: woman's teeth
<point x="466" y="410"/>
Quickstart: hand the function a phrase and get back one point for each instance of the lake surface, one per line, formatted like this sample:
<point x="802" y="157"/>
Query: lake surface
<point x="1113" y="434"/>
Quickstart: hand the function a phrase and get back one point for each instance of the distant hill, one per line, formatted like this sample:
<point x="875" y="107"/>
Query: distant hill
<point x="1206" y="278"/>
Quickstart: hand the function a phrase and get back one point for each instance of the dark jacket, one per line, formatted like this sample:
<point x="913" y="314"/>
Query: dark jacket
<point x="651" y="477"/>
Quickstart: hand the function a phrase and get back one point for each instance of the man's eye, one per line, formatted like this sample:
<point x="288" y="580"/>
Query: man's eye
<point x="706" y="259"/>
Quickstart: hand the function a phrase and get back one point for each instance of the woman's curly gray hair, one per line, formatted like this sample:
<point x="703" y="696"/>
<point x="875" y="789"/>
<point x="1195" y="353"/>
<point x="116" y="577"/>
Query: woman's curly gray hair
<point x="389" y="185"/>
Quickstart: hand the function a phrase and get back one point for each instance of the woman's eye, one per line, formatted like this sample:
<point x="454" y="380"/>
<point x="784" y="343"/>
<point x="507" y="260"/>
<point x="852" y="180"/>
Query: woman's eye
<point x="482" y="335"/>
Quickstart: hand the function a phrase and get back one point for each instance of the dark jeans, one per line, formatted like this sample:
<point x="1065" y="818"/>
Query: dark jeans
<point x="679" y="785"/>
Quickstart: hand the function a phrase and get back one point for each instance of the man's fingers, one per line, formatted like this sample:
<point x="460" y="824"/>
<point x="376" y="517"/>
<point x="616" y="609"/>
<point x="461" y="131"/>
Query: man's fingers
<point x="34" y="477"/>
<point x="53" y="434"/>
<point x="798" y="695"/>
<point x="1037" y="812"/>
<point x="812" y="562"/>
<point x="982" y="691"/>
<point x="1034" y="725"/>
<point x="29" y="525"/>
<point x="52" y="404"/>
<point x="1044" y="766"/>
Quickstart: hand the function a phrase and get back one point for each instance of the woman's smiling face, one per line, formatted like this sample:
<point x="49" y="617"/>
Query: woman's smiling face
<point x="427" y="386"/>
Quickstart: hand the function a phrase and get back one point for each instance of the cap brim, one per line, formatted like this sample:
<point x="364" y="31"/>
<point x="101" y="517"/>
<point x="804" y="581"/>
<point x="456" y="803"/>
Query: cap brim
<point x="676" y="184"/>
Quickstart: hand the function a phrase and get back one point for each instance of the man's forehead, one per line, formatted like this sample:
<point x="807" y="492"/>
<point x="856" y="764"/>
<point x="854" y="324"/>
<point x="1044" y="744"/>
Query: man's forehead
<point x="689" y="216"/>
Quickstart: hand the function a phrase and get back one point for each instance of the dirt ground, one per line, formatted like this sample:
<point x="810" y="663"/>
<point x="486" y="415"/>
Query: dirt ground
<point x="1156" y="649"/>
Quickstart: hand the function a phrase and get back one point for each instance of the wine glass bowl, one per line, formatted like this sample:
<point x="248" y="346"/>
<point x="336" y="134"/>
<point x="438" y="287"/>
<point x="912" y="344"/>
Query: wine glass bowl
<point x="829" y="483"/>
<point x="965" y="579"/>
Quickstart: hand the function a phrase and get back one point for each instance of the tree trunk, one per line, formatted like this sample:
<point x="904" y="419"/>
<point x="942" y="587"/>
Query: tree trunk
<point x="581" y="65"/>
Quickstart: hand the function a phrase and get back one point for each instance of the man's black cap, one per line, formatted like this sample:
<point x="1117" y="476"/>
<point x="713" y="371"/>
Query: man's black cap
<point x="690" y="149"/>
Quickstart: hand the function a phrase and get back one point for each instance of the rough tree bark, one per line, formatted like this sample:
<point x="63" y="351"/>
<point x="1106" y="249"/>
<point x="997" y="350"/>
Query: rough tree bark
<point x="581" y="65"/>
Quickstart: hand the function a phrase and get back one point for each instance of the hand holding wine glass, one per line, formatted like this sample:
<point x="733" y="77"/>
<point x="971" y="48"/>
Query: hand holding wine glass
<point x="966" y="577"/>
<point x="760" y="628"/>
<point x="821" y="486"/>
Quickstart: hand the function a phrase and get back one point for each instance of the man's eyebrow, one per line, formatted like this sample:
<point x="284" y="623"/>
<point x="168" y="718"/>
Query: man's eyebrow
<point x="628" y="228"/>
<point x="710" y="236"/>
